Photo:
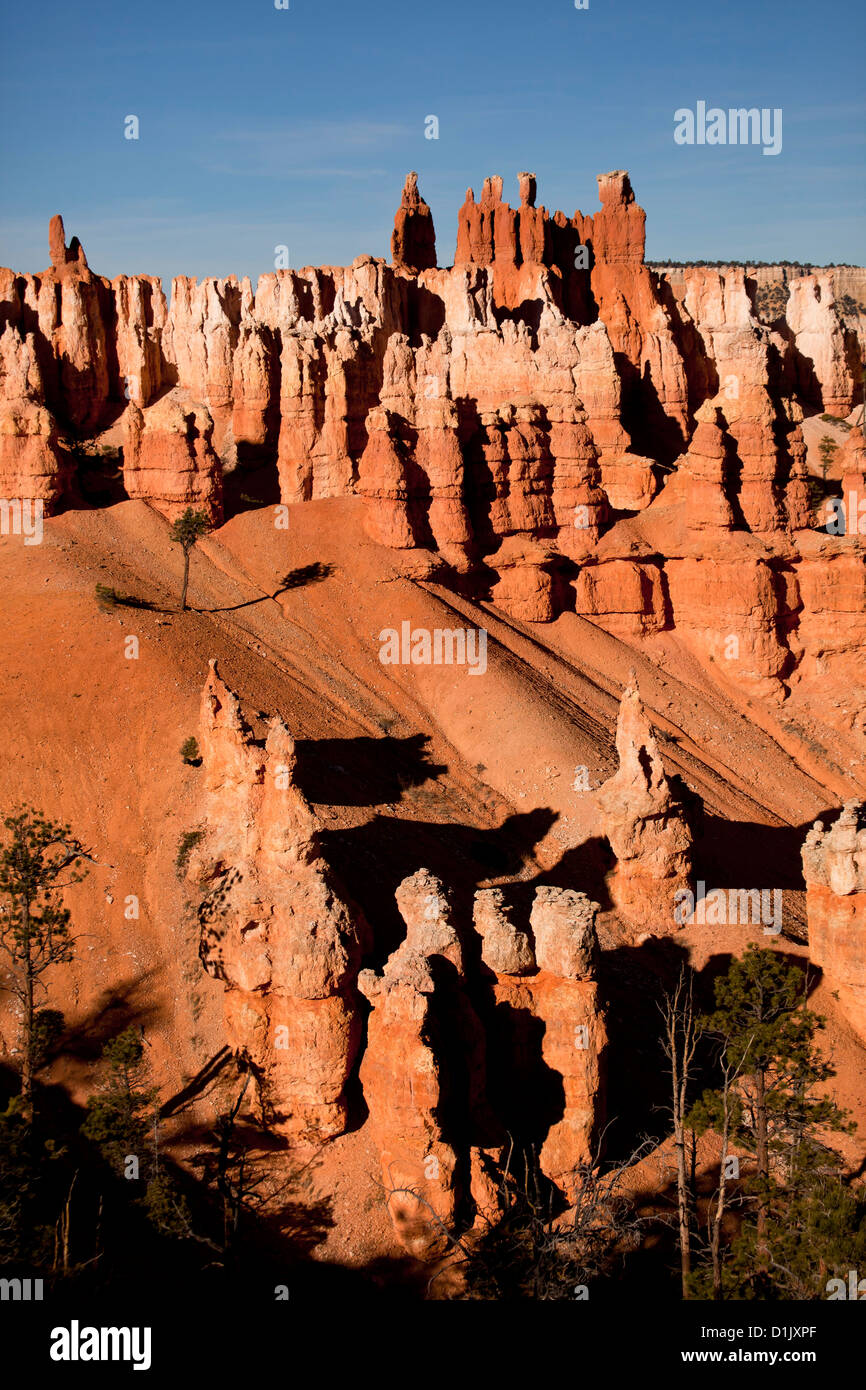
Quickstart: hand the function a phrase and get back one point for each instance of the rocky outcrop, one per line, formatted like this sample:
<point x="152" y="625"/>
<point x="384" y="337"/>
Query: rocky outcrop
<point x="834" y="867"/>
<point x="429" y="1114"/>
<point x="413" y="242"/>
<point x="503" y="418"/>
<point x="548" y="1036"/>
<point x="527" y="1063"/>
<point x="276" y="927"/>
<point x="649" y="821"/>
<point x="828" y="358"/>
<point x="169" y="457"/>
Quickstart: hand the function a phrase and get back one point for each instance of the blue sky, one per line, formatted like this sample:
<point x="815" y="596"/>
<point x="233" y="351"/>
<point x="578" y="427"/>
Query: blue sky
<point x="261" y="127"/>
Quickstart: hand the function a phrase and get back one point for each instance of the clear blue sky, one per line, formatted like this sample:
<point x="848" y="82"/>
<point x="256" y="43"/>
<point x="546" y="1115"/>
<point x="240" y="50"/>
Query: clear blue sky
<point x="261" y="126"/>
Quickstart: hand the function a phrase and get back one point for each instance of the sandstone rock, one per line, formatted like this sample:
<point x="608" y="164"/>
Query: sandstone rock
<point x="169" y="457"/>
<point x="563" y="925"/>
<point x="34" y="464"/>
<point x="276" y="926"/>
<point x="647" y="821"/>
<point x="559" y="1006"/>
<point x="834" y="867"/>
<point x="496" y="416"/>
<point x="852" y="465"/>
<point x="826" y="348"/>
<point x="430" y="1117"/>
<point x="413" y="243"/>
<point x="526" y="587"/>
<point x="703" y="468"/>
<point x="505" y="949"/>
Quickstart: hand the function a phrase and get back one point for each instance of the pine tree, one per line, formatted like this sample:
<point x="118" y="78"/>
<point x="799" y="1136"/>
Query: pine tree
<point x="768" y="1104"/>
<point x="188" y="528"/>
<point x="40" y="859"/>
<point x="827" y="449"/>
<point x="119" y="1118"/>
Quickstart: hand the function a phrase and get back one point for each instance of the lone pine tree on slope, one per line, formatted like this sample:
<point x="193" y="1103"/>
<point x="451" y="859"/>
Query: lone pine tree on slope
<point x="188" y="528"/>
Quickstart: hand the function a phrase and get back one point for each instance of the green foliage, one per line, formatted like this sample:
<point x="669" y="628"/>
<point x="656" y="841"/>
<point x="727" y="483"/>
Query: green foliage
<point x="166" y="1207"/>
<point x="799" y="1212"/>
<point x="118" y="1119"/>
<point x="189" y="528"/>
<point x="827" y="449"/>
<point x="816" y="1231"/>
<point x="48" y="1025"/>
<point x="767" y="1034"/>
<point x="40" y="858"/>
<point x="189" y="751"/>
<point x="106" y="596"/>
<point x="26" y="1227"/>
<point x="109" y="598"/>
<point x="186" y="844"/>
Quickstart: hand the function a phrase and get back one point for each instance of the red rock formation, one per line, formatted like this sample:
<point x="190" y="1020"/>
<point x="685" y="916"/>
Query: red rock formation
<point x="34" y="463"/>
<point x="413" y="242"/>
<point x="702" y="474"/>
<point x="738" y="349"/>
<point x="633" y="311"/>
<point x="647" y="823"/>
<point x="276" y="926"/>
<point x="563" y="996"/>
<point x="852" y="465"/>
<point x="566" y="999"/>
<point x="505" y="948"/>
<point x="798" y="494"/>
<point x="826" y="348"/>
<point x="495" y="416"/>
<point x="169" y="457"/>
<point x="834" y="867"/>
<point x="429" y="1117"/>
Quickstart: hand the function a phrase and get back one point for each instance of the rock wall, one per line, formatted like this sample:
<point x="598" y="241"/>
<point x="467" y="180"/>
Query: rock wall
<point x="834" y="867"/>
<point x="550" y="417"/>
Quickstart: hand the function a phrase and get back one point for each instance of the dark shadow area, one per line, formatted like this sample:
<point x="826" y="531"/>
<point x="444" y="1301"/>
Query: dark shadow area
<point x="99" y="478"/>
<point x="746" y="854"/>
<point x="109" y="598"/>
<point x="363" y="771"/>
<point x="528" y="313"/>
<point x="206" y="1075"/>
<point x="653" y="433"/>
<point x="372" y="860"/>
<point x="295" y="579"/>
<point x="130" y="1001"/>
<point x="252" y="484"/>
<point x="426" y="313"/>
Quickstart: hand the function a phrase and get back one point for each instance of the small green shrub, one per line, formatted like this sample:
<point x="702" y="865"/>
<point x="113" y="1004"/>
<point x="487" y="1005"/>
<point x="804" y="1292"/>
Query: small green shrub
<point x="189" y="751"/>
<point x="186" y="844"/>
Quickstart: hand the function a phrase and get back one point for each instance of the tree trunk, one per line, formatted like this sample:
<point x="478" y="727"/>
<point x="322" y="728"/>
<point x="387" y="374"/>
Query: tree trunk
<point x="682" y="1189"/>
<point x="763" y="1160"/>
<point x="185" y="580"/>
<point x="29" y="1010"/>
<point x="716" y="1234"/>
